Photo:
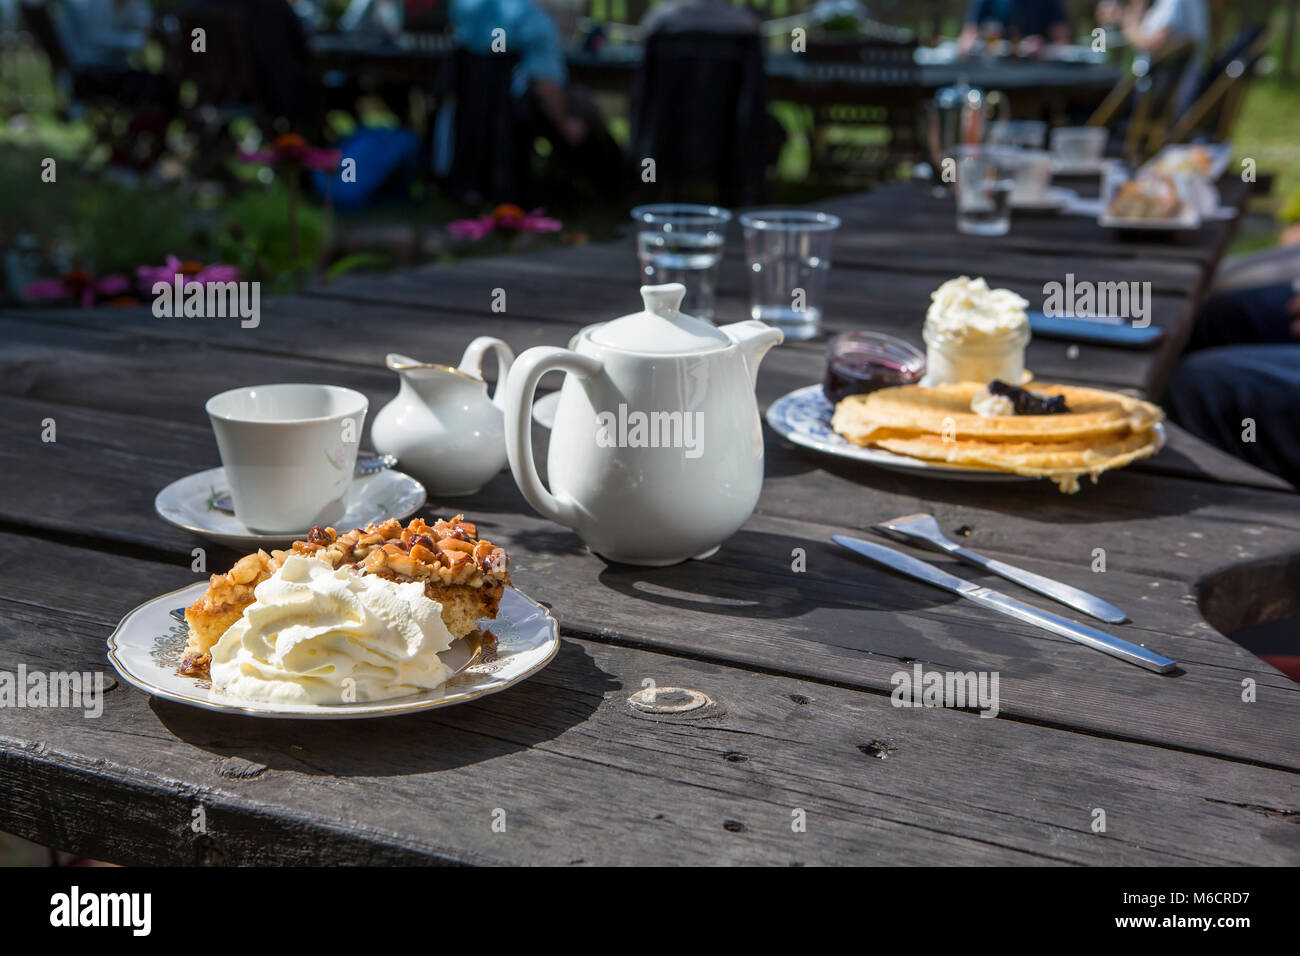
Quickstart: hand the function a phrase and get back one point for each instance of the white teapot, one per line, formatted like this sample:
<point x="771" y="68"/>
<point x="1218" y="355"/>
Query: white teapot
<point x="656" y="453"/>
<point x="442" y="426"/>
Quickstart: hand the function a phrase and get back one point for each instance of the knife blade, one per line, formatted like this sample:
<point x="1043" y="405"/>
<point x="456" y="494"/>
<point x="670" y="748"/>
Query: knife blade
<point x="996" y="601"/>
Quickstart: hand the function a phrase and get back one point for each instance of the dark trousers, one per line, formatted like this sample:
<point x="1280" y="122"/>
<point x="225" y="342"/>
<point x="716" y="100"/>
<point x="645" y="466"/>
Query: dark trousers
<point x="1239" y="385"/>
<point x="592" y="170"/>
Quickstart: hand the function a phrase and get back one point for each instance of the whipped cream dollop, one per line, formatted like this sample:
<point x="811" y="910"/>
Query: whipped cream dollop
<point x="987" y="405"/>
<point x="966" y="310"/>
<point x="323" y="636"/>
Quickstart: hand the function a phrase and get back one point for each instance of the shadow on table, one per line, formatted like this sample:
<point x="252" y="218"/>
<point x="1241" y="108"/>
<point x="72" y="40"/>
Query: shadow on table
<point x="840" y="601"/>
<point x="562" y="696"/>
<point x="754" y="576"/>
<point x="1120" y="492"/>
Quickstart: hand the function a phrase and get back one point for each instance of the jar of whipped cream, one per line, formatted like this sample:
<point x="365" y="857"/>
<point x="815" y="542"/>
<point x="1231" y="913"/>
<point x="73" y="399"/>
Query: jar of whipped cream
<point x="975" y="334"/>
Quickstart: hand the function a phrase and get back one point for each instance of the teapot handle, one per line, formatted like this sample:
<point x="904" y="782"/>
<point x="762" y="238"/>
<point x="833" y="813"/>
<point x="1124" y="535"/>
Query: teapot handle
<point x="520" y="389"/>
<point x="472" y="362"/>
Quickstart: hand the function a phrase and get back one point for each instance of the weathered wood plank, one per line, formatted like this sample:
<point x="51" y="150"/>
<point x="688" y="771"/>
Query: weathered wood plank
<point x="908" y="207"/>
<point x="582" y="780"/>
<point x="841" y="621"/>
<point x="924" y="252"/>
<point x="327" y="337"/>
<point x="87" y="367"/>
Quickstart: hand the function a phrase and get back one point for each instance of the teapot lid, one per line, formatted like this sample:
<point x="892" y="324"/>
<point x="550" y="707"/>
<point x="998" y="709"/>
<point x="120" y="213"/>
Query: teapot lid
<point x="662" y="329"/>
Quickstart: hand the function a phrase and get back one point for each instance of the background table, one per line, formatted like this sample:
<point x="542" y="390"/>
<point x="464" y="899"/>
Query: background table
<point x="798" y="663"/>
<point x="1033" y="84"/>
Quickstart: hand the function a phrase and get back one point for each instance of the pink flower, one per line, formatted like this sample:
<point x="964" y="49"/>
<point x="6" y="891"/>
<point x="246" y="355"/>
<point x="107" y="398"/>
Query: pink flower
<point x="193" y="273"/>
<point x="292" y="149"/>
<point x="534" y="221"/>
<point x="507" y="218"/>
<point x="471" y="228"/>
<point x="46" y="289"/>
<point x="77" y="284"/>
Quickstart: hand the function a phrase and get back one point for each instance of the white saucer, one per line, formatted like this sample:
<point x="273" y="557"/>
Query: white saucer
<point x="544" y="409"/>
<point x="187" y="503"/>
<point x="1054" y="199"/>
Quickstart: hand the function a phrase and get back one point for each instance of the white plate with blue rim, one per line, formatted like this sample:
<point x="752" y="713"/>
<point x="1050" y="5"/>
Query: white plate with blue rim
<point x="190" y="503"/>
<point x="804" y="417"/>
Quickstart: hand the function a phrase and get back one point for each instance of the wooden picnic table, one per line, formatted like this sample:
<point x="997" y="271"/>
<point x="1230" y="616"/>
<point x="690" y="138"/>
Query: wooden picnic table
<point x="799" y="664"/>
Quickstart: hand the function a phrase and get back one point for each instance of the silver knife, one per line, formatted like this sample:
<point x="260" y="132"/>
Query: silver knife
<point x="1089" y="637"/>
<point x="924" y="528"/>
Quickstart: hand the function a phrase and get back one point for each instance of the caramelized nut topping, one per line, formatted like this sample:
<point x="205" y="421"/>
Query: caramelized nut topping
<point x="441" y="551"/>
<point x="195" y="664"/>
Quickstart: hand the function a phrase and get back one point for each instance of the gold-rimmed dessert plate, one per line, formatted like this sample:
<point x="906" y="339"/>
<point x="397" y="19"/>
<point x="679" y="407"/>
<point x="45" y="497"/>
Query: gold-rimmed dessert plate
<point x="148" y="645"/>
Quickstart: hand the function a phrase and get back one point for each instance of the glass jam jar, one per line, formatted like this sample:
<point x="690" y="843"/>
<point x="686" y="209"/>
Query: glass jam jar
<point x="974" y="358"/>
<point x="858" y="362"/>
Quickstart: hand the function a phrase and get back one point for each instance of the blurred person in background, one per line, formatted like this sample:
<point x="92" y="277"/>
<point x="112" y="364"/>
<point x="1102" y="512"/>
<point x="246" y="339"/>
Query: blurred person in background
<point x="704" y="16"/>
<point x="102" y="35"/>
<point x="1243" y="366"/>
<point x="281" y="59"/>
<point x="1034" y="23"/>
<point x="378" y="16"/>
<point x="99" y="39"/>
<point x="1151" y="29"/>
<point x="547" y="106"/>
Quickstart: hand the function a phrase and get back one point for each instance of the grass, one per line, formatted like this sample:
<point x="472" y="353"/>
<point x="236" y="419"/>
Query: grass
<point x="1268" y="131"/>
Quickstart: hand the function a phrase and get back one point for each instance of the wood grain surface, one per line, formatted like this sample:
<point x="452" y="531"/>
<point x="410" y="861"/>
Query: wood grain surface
<point x="800" y="663"/>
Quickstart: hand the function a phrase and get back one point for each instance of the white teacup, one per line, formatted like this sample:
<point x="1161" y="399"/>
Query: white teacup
<point x="288" y="452"/>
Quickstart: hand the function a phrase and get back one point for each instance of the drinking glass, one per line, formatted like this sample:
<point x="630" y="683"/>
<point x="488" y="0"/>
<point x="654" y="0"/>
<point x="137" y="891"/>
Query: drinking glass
<point x="1078" y="147"/>
<point x="681" y="242"/>
<point x="1031" y="134"/>
<point x="985" y="179"/>
<point x="1033" y="176"/>
<point x="789" y="254"/>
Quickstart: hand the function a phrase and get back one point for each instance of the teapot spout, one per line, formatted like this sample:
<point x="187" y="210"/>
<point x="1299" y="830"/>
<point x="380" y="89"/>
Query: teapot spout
<point x="754" y="338"/>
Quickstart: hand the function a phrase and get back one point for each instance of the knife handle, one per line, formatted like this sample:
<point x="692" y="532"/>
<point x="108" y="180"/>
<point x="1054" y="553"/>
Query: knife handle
<point x="1079" y="633"/>
<point x="1067" y="594"/>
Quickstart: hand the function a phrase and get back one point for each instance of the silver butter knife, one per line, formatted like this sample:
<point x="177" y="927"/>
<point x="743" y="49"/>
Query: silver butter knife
<point x="924" y="528"/>
<point x="1080" y="633"/>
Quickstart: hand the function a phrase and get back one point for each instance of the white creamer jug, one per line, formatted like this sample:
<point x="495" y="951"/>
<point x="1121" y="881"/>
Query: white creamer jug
<point x="443" y="426"/>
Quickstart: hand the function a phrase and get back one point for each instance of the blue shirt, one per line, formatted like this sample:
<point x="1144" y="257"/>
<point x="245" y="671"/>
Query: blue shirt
<point x="101" y="33"/>
<point x="1026" y="18"/>
<point x="529" y="32"/>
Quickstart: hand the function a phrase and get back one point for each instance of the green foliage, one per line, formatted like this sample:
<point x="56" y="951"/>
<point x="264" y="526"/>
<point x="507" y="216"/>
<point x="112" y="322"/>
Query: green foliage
<point x="359" y="262"/>
<point x="256" y="236"/>
<point x="842" y="24"/>
<point x="1291" y="210"/>
<point x="100" y="224"/>
<point x="120" y="228"/>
